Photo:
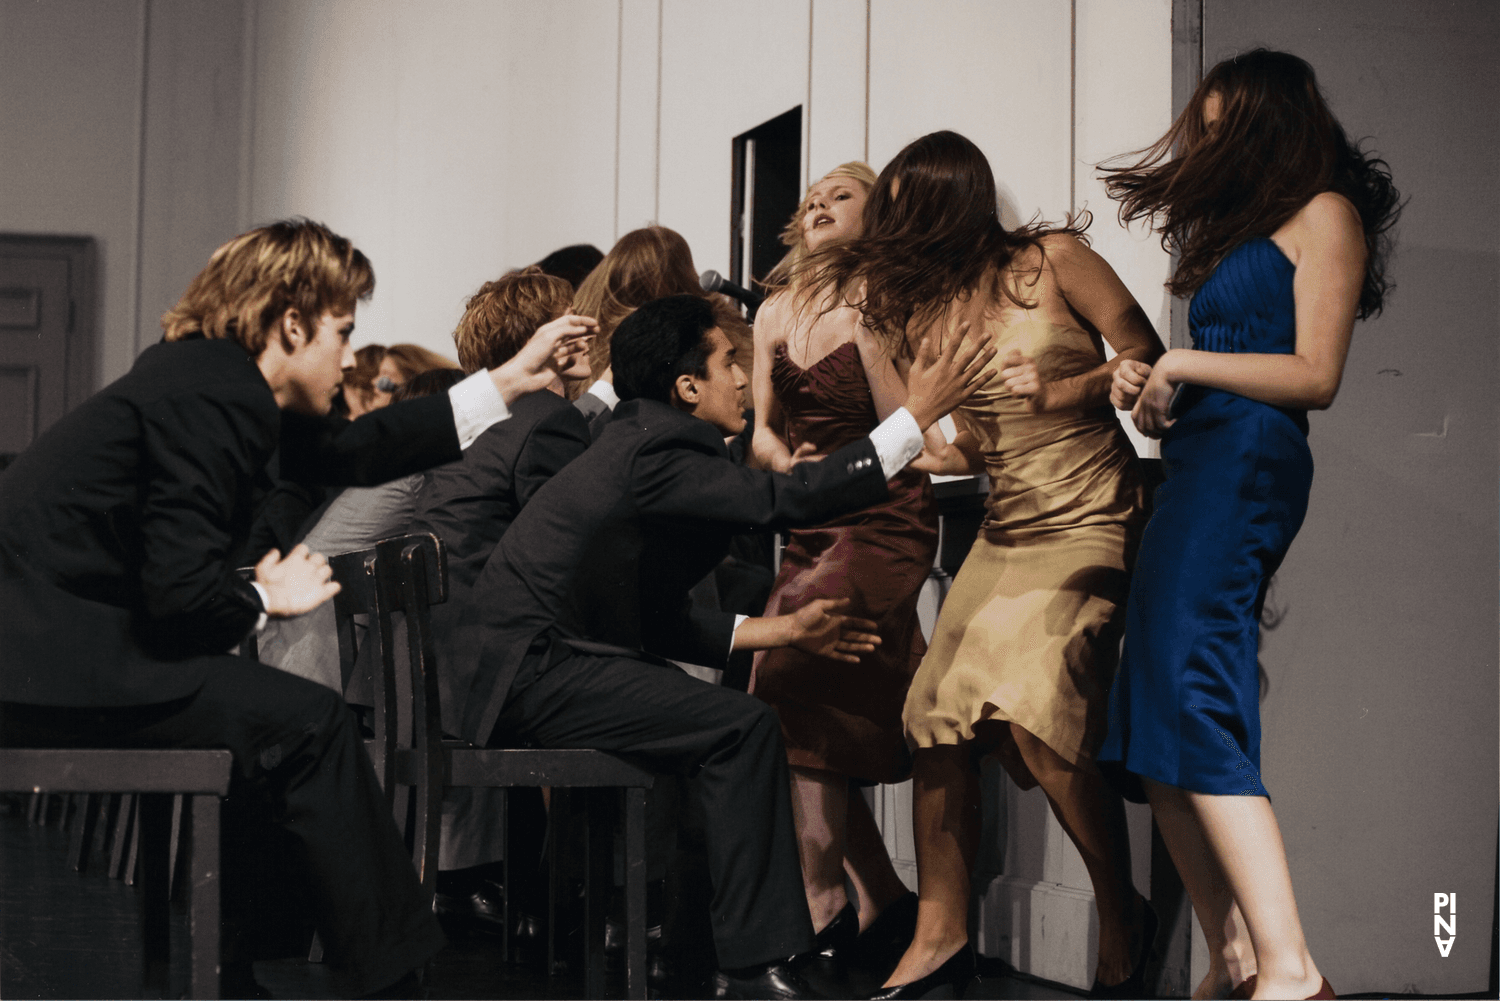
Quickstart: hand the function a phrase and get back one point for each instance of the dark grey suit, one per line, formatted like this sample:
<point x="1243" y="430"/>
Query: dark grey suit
<point x="588" y="591"/>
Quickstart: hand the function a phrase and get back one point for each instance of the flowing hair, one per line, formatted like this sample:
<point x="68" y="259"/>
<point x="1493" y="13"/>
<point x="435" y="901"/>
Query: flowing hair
<point x="1275" y="146"/>
<point x="792" y="236"/>
<point x="937" y="238"/>
<point x="645" y="264"/>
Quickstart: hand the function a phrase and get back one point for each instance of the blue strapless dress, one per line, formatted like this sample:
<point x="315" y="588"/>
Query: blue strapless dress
<point x="1185" y="709"/>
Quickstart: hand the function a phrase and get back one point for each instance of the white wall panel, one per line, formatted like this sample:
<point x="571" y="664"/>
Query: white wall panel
<point x="71" y="80"/>
<point x="638" y="144"/>
<point x="994" y="70"/>
<point x="726" y="68"/>
<point x="835" y="117"/>
<point x="1123" y="102"/>
<point x="451" y="141"/>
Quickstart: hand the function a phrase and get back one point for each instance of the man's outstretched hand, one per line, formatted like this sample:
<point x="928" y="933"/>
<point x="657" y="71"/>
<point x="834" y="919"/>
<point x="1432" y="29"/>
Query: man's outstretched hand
<point x="550" y="350"/>
<point x="819" y="628"/>
<point x="949" y="367"/>
<point x="300" y="582"/>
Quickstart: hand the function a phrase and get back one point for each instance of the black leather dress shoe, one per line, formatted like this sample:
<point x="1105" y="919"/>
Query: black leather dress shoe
<point x="778" y="980"/>
<point x="947" y="981"/>
<point x="480" y="906"/>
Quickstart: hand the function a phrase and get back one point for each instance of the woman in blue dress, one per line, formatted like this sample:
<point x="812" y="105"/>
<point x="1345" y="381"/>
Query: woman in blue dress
<point x="1281" y="225"/>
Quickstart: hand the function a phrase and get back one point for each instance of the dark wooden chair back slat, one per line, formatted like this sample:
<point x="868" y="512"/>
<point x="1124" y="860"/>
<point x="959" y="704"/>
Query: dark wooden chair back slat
<point x="405" y="577"/>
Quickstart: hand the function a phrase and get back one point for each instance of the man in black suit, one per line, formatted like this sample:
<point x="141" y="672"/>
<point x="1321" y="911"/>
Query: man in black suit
<point x="117" y="529"/>
<point x="587" y="592"/>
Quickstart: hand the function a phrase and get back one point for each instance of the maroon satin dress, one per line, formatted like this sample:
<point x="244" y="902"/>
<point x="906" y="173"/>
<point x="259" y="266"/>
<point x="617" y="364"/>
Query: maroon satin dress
<point x="846" y="718"/>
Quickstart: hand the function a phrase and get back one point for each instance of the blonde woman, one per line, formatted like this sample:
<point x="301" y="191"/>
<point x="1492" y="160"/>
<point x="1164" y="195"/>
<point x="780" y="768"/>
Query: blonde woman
<point x="821" y="380"/>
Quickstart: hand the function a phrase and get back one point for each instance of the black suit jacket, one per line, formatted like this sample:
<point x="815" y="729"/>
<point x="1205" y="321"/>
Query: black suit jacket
<point x="469" y="504"/>
<point x="120" y="525"/>
<point x="606" y="551"/>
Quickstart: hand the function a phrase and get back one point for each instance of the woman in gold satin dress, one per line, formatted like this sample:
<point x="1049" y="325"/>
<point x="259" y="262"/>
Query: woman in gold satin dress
<point x="1025" y="647"/>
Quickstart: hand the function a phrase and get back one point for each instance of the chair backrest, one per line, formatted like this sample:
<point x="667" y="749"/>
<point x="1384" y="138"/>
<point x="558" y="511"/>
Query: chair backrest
<point x="406" y="576"/>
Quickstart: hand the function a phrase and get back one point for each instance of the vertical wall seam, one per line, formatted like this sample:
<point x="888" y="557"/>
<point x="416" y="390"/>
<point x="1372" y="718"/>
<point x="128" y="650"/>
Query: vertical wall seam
<point x="807" y="107"/>
<point x="1072" y="106"/>
<point x="656" y="187"/>
<point x="248" y="78"/>
<point x="619" y="102"/>
<point x="140" y="182"/>
<point x="867" y="82"/>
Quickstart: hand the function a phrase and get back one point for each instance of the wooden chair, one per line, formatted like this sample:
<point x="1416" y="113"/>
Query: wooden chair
<point x="408" y="575"/>
<point x="201" y="779"/>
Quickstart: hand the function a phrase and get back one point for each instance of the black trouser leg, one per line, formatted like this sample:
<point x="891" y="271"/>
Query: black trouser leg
<point x="302" y="768"/>
<point x="728" y="743"/>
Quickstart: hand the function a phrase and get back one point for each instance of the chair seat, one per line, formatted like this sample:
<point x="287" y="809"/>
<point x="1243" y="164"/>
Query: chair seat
<point x="196" y="774"/>
<point x="190" y="772"/>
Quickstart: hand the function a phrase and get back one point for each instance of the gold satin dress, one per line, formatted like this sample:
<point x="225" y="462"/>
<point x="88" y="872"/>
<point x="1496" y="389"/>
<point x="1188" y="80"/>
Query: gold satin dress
<point x="1030" y="631"/>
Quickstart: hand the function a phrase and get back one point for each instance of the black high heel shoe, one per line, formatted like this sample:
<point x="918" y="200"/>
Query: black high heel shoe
<point x="836" y="940"/>
<point x="881" y="945"/>
<point x="1133" y="986"/>
<point x="947" y="981"/>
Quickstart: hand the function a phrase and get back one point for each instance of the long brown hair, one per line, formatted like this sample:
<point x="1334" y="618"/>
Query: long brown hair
<point x="1275" y="146"/>
<point x="939" y="239"/>
<point x="644" y="264"/>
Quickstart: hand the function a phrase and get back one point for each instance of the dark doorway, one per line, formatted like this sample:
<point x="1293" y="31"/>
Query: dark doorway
<point x="765" y="192"/>
<point x="46" y="334"/>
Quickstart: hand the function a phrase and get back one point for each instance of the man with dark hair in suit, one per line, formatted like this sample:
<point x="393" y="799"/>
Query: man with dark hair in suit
<point x="117" y="533"/>
<point x="587" y="593"/>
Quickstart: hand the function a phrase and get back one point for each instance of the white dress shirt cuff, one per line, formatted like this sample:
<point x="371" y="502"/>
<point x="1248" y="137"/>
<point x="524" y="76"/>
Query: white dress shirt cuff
<point x="265" y="603"/>
<point x="737" y="620"/>
<point x="897" y="441"/>
<point x="477" y="405"/>
<point x="606" y="392"/>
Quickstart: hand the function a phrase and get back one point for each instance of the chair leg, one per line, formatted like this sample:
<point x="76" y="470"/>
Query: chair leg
<point x="174" y="852"/>
<point x="82" y="836"/>
<point x="507" y="878"/>
<point x="598" y="881"/>
<point x="127" y="828"/>
<point x="203" y="896"/>
<point x="635" y="892"/>
<point x="153" y="849"/>
<point x="557" y="821"/>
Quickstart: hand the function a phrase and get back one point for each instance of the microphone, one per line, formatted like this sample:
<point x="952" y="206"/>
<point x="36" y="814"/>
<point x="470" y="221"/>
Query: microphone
<point x="712" y="281"/>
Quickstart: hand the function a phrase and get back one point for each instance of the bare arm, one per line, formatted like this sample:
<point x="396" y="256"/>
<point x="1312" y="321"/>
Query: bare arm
<point x="766" y="445"/>
<point x="1325" y="242"/>
<point x="1092" y="289"/>
<point x="885" y="373"/>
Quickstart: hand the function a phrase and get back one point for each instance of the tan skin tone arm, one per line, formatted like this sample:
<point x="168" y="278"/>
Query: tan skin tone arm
<point x="1325" y="243"/>
<point x="766" y="445"/>
<point x="1093" y="291"/>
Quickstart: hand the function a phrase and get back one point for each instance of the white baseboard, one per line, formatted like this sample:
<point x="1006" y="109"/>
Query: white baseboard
<point x="1045" y="929"/>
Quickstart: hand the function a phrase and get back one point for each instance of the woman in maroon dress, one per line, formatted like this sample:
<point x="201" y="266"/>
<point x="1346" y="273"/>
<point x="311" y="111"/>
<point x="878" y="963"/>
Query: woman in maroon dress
<point x="821" y="380"/>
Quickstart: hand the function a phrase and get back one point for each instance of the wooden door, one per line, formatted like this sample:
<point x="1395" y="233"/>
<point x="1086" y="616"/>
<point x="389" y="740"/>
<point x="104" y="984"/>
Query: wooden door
<point x="45" y="347"/>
